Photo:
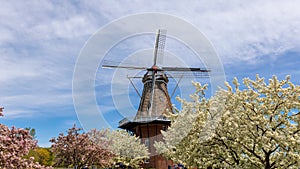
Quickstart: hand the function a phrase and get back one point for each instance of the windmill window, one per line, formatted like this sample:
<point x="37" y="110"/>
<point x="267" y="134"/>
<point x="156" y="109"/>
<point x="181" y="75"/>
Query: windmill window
<point x="147" y="142"/>
<point x="149" y="105"/>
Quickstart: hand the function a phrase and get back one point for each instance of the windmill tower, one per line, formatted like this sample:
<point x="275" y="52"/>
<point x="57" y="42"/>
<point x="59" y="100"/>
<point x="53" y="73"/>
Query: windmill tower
<point x="155" y="102"/>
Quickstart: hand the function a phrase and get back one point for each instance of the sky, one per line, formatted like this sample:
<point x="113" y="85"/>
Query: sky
<point x="41" y="42"/>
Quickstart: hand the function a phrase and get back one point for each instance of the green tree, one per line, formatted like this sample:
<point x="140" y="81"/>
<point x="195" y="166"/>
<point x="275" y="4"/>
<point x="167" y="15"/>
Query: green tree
<point x="31" y="132"/>
<point x="253" y="127"/>
<point x="41" y="155"/>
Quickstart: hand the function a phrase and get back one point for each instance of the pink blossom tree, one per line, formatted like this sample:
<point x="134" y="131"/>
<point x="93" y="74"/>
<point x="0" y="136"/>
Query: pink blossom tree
<point x="77" y="149"/>
<point x="15" y="143"/>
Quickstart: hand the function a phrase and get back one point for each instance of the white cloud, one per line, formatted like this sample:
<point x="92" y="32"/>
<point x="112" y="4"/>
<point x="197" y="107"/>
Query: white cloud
<point x="40" y="41"/>
<point x="239" y="31"/>
<point x="72" y="27"/>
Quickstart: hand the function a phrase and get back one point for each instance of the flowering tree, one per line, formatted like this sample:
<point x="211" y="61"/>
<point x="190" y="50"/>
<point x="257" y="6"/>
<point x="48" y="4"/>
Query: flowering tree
<point x="14" y="144"/>
<point x="77" y="150"/>
<point x="257" y="127"/>
<point x="128" y="149"/>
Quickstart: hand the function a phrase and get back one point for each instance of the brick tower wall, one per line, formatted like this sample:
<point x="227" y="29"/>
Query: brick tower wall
<point x="149" y="133"/>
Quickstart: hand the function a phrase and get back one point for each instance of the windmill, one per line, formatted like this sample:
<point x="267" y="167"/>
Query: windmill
<point x="155" y="101"/>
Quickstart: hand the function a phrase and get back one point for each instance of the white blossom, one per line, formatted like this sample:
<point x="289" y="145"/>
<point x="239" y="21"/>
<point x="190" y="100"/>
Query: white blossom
<point x="256" y="126"/>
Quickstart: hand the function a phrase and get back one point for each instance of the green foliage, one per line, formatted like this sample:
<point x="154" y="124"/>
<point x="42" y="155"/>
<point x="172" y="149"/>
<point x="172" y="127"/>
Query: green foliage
<point x="41" y="155"/>
<point x="32" y="132"/>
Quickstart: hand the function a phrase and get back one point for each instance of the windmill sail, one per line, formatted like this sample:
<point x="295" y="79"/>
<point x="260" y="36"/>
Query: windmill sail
<point x="159" y="46"/>
<point x="158" y="54"/>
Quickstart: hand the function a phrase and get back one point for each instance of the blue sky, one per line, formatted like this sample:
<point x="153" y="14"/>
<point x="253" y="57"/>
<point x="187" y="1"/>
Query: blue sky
<point x="40" y="42"/>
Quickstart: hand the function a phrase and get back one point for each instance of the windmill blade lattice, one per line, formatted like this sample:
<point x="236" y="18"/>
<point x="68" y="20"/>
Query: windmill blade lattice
<point x="161" y="41"/>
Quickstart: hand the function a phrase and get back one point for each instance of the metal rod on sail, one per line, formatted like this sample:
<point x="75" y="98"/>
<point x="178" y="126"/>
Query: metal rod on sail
<point x="193" y="69"/>
<point x="152" y="93"/>
<point x="176" y="86"/>
<point x="124" y="67"/>
<point x="135" y="88"/>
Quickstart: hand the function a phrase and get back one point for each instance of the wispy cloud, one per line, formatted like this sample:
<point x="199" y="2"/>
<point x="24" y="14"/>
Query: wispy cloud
<point x="245" y="31"/>
<point x="38" y="47"/>
<point x="40" y="42"/>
